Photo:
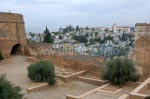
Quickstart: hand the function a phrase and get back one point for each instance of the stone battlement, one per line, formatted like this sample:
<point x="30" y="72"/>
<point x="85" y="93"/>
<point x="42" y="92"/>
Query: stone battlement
<point x="11" y="17"/>
<point x="142" y="24"/>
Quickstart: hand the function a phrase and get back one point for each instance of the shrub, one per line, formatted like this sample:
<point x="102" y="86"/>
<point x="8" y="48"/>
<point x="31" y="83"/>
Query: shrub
<point x="8" y="90"/>
<point x="42" y="71"/>
<point x="148" y="97"/>
<point x="118" y="71"/>
<point x="134" y="77"/>
<point x="1" y="57"/>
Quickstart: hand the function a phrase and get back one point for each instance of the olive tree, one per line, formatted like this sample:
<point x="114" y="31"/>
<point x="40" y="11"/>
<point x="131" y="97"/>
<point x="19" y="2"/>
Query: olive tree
<point x="118" y="71"/>
<point x="42" y="71"/>
<point x="148" y="97"/>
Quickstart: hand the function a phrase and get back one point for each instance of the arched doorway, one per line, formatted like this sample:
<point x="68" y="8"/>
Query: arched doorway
<point x="16" y="49"/>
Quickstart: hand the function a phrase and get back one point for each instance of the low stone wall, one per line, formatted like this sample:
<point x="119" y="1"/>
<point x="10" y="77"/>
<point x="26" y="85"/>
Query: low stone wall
<point x="31" y="59"/>
<point x="149" y="85"/>
<point x="135" y="94"/>
<point x="124" y="96"/>
<point x="86" y="94"/>
<point x="71" y="77"/>
<point x="37" y="88"/>
<point x="111" y="92"/>
<point x="91" y="81"/>
<point x="143" y="89"/>
<point x="27" y="51"/>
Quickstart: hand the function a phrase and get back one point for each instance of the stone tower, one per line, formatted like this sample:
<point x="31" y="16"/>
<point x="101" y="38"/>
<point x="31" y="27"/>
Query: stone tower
<point x="141" y="29"/>
<point x="142" y="48"/>
<point x="114" y="28"/>
<point x="12" y="34"/>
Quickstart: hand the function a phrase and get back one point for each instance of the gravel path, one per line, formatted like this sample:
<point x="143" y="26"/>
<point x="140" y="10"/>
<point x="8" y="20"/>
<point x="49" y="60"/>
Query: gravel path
<point x="16" y="72"/>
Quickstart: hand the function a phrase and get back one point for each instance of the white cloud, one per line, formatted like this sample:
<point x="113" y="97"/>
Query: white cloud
<point x="55" y="13"/>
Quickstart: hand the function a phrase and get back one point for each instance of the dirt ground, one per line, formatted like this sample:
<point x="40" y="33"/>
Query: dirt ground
<point x="76" y="63"/>
<point x="126" y="89"/>
<point x="111" y="88"/>
<point x="16" y="72"/>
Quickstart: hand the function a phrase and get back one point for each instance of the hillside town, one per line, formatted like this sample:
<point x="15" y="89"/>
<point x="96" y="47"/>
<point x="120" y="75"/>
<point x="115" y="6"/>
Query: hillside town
<point x="99" y="41"/>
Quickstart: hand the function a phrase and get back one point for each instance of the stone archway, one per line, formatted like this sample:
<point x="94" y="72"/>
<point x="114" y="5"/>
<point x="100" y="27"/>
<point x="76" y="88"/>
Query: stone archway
<point x="16" y="49"/>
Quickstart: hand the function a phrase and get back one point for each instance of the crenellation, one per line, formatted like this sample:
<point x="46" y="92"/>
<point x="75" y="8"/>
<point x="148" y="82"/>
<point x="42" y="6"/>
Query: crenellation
<point x="141" y="29"/>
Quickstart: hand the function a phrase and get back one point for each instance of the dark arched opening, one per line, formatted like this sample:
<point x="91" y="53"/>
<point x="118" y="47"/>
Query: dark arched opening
<point x="16" y="49"/>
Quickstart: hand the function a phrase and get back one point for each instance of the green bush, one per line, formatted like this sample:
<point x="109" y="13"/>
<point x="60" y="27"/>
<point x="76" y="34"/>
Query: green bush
<point x="8" y="90"/>
<point x="148" y="97"/>
<point x="42" y="71"/>
<point x="134" y="77"/>
<point x="118" y="71"/>
<point x="1" y="57"/>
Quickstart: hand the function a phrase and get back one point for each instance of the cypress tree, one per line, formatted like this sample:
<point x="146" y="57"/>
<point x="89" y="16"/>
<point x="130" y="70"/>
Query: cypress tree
<point x="48" y="37"/>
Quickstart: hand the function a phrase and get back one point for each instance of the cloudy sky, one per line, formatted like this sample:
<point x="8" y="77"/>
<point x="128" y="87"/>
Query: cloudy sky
<point x="59" y="13"/>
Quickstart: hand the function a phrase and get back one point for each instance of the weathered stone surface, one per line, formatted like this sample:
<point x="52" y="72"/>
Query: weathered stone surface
<point x="141" y="29"/>
<point x="142" y="54"/>
<point x="12" y="32"/>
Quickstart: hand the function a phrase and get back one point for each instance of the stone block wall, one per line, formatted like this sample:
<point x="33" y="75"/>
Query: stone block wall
<point x="141" y="29"/>
<point x="142" y="54"/>
<point x="12" y="32"/>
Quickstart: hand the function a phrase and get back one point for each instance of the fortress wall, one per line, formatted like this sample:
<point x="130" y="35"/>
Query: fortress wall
<point x="141" y="29"/>
<point x="11" y="17"/>
<point x="142" y="54"/>
<point x="12" y="31"/>
<point x="148" y="28"/>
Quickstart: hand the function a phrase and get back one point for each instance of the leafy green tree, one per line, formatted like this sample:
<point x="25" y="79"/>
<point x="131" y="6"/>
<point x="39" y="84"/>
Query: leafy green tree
<point x="118" y="71"/>
<point x="56" y="33"/>
<point x="81" y="39"/>
<point x="77" y="28"/>
<point x="109" y="38"/>
<point x="92" y="41"/>
<point x="60" y="29"/>
<point x="96" y="33"/>
<point x="32" y="35"/>
<point x="86" y="35"/>
<point x="68" y="29"/>
<point x="106" y="30"/>
<point x="99" y="40"/>
<point x="8" y="90"/>
<point x="60" y="37"/>
<point x="93" y="29"/>
<point x="42" y="71"/>
<point x="1" y="57"/>
<point x="87" y="28"/>
<point x="48" y="37"/>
